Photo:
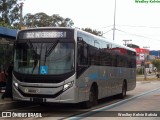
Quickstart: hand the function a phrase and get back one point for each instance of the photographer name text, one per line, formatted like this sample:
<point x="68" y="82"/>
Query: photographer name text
<point x="147" y="1"/>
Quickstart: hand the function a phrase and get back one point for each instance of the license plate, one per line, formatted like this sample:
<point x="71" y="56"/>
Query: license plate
<point x="27" y="90"/>
<point x="32" y="91"/>
<point x="38" y="100"/>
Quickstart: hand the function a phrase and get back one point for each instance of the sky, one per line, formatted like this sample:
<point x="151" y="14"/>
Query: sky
<point x="138" y="22"/>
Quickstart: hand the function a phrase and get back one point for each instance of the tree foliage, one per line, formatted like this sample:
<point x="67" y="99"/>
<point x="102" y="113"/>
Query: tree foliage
<point x="156" y="63"/>
<point x="43" y="20"/>
<point x="10" y="17"/>
<point x="9" y="13"/>
<point x="95" y="32"/>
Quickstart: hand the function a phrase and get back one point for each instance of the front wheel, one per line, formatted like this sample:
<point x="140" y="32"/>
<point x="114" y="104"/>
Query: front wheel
<point x="93" y="96"/>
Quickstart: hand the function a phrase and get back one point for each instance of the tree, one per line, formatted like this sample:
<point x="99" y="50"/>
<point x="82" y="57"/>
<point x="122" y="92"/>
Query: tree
<point x="28" y="20"/>
<point x="43" y="20"/>
<point x="98" y="33"/>
<point x="156" y="63"/>
<point x="67" y="22"/>
<point x="9" y="13"/>
<point x="36" y="20"/>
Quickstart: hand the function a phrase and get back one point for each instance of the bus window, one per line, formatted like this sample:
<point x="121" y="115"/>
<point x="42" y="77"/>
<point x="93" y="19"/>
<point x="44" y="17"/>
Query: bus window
<point x="82" y="53"/>
<point x="96" y="44"/>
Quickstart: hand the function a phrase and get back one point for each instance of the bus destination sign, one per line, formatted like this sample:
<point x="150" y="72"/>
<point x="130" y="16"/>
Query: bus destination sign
<point x="43" y="34"/>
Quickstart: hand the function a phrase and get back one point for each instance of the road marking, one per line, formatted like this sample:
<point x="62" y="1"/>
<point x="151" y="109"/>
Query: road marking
<point x="95" y="111"/>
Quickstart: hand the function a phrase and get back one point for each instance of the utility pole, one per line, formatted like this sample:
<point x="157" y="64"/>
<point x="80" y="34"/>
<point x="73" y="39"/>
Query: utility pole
<point x="145" y="72"/>
<point x="21" y="13"/>
<point x="114" y="28"/>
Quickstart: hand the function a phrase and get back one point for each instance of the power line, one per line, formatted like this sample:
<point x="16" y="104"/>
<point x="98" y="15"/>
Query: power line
<point x="133" y="34"/>
<point x="137" y="35"/>
<point x="108" y="31"/>
<point x="130" y="26"/>
<point x="138" y="26"/>
<point x="105" y="27"/>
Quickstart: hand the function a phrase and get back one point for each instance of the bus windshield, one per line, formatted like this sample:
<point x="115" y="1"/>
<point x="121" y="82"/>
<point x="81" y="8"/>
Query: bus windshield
<point x="52" y="58"/>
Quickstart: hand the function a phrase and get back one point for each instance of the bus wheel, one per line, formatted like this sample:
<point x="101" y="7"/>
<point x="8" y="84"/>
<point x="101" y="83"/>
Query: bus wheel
<point x="93" y="96"/>
<point x="124" y="90"/>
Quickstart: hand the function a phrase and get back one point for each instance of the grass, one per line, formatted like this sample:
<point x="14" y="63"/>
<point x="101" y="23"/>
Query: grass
<point x="147" y="79"/>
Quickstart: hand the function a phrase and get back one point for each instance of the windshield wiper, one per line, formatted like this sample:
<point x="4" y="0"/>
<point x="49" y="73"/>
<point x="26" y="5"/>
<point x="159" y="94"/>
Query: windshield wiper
<point x="37" y="57"/>
<point x="30" y="44"/>
<point x="49" y="51"/>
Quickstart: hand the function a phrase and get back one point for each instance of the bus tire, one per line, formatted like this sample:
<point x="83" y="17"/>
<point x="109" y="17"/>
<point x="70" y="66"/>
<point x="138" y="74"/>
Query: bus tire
<point x="93" y="97"/>
<point x="124" y="90"/>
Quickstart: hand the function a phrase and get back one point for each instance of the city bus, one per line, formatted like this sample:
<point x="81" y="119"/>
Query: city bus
<point x="68" y="65"/>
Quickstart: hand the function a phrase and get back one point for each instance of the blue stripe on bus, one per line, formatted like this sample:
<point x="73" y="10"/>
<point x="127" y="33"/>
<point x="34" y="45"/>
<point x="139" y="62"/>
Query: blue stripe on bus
<point x="94" y="76"/>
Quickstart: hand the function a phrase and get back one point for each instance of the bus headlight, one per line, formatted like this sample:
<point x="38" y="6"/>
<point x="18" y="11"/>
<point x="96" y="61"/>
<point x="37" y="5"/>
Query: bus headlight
<point x="67" y="85"/>
<point x="16" y="85"/>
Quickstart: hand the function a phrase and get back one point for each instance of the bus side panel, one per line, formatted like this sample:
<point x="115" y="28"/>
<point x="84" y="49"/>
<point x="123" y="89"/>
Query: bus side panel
<point x="107" y="78"/>
<point x="131" y="82"/>
<point x="109" y="81"/>
<point x="85" y="81"/>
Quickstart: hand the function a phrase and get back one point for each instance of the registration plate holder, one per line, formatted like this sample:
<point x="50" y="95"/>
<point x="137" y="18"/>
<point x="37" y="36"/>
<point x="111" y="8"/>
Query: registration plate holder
<point x="38" y="100"/>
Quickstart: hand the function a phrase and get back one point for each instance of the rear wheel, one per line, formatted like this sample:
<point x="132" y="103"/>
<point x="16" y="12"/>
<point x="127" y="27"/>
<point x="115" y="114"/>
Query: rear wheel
<point x="124" y="90"/>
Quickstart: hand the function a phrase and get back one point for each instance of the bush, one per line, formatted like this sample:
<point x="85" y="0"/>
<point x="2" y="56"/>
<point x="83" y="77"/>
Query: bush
<point x="156" y="63"/>
<point x="140" y="71"/>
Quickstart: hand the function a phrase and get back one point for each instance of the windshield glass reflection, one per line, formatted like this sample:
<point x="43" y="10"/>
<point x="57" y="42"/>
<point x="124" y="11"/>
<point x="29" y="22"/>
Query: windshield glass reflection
<point x="57" y="57"/>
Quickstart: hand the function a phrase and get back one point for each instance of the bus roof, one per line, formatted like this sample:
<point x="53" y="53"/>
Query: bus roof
<point x="109" y="41"/>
